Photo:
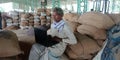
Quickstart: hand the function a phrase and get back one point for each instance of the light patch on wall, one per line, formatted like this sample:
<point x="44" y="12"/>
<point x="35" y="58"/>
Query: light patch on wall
<point x="7" y="6"/>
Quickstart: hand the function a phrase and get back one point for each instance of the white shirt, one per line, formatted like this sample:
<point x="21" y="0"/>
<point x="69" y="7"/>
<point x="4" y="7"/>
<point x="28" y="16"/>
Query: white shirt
<point x="67" y="38"/>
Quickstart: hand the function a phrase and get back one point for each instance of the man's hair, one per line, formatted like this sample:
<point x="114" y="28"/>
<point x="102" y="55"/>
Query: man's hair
<point x="58" y="10"/>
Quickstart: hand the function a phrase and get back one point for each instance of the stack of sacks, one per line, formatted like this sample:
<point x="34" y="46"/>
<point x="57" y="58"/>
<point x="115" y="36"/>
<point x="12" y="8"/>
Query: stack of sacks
<point x="95" y="24"/>
<point x="84" y="49"/>
<point x="90" y="35"/>
<point x="48" y="17"/>
<point x="98" y="34"/>
<point x="43" y="18"/>
<point x="15" y="17"/>
<point x="48" y="12"/>
<point x="48" y="20"/>
<point x="115" y="17"/>
<point x="71" y="19"/>
<point x="36" y="21"/>
<point x="24" y="21"/>
<point x="97" y="19"/>
<point x="9" y="22"/>
<point x="31" y="20"/>
<point x="9" y="45"/>
<point x="39" y="10"/>
<point x="26" y="39"/>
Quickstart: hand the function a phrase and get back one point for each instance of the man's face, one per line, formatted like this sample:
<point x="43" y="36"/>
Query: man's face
<point x="56" y="17"/>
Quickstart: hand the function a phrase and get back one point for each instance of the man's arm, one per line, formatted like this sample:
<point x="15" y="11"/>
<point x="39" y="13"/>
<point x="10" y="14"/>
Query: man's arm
<point x="70" y="36"/>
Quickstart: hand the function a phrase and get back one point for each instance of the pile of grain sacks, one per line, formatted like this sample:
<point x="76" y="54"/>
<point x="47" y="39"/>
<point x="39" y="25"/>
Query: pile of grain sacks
<point x="42" y="17"/>
<point x="10" y="20"/>
<point x="26" y="20"/>
<point x="90" y="31"/>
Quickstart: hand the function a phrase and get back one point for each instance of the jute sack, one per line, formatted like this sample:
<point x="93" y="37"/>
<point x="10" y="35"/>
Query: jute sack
<point x="24" y="16"/>
<point x="31" y="17"/>
<point x="115" y="17"/>
<point x="83" y="48"/>
<point x="31" y="21"/>
<point x="40" y="10"/>
<point x="12" y="27"/>
<point x="96" y="19"/>
<point x="71" y="17"/>
<point x="88" y="44"/>
<point x="42" y="17"/>
<point x="26" y="35"/>
<point x="64" y="57"/>
<point x="26" y="39"/>
<point x="73" y="25"/>
<point x="43" y="22"/>
<point x="24" y="23"/>
<point x="48" y="10"/>
<point x="71" y="54"/>
<point x="3" y="23"/>
<point x="9" y="45"/>
<point x="92" y="31"/>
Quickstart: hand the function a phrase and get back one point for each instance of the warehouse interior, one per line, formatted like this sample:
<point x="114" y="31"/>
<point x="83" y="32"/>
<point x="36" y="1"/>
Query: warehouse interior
<point x="95" y="24"/>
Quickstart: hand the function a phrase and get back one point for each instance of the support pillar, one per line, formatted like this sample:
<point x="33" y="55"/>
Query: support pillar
<point x="82" y="6"/>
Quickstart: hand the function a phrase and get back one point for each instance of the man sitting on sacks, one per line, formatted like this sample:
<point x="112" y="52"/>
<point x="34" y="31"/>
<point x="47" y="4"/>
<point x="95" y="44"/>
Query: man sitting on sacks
<point x="61" y="33"/>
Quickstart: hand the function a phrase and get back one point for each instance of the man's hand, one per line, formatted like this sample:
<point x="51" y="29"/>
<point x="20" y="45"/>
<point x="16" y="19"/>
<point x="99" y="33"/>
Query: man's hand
<point x="55" y="38"/>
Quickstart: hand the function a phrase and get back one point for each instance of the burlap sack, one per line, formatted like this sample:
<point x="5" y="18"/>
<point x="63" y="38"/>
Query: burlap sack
<point x="115" y="17"/>
<point x="48" y="13"/>
<point x="100" y="42"/>
<point x="40" y="10"/>
<point x="92" y="31"/>
<point x="42" y="17"/>
<point x="31" y="21"/>
<point x="31" y="17"/>
<point x="26" y="35"/>
<point x="24" y="23"/>
<point x="96" y="19"/>
<point x="48" y="10"/>
<point x="31" y="24"/>
<point x="15" y="17"/>
<point x="24" y="16"/>
<point x="9" y="45"/>
<point x="73" y="25"/>
<point x="64" y="57"/>
<point x="3" y="23"/>
<point x="9" y="20"/>
<point x="26" y="39"/>
<point x="15" y="21"/>
<point x="13" y="27"/>
<point x="71" y="17"/>
<point x="43" y="22"/>
<point x="83" y="49"/>
<point x="71" y="54"/>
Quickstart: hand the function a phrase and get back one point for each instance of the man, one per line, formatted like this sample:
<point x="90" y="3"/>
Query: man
<point x="61" y="32"/>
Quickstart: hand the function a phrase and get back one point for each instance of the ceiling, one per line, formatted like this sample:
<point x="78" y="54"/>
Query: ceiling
<point x="34" y="2"/>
